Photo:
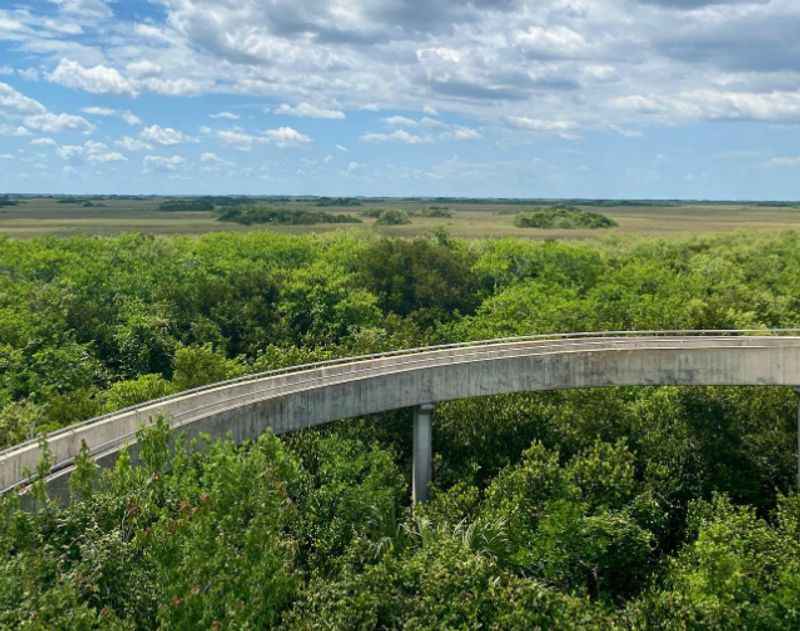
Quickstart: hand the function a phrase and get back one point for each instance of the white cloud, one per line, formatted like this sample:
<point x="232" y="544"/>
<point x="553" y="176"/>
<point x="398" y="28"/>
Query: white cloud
<point x="44" y="142"/>
<point x="555" y="41"/>
<point x="133" y="144"/>
<point x="464" y="133"/>
<point x="69" y="152"/>
<point x="163" y="163"/>
<point x="213" y="162"/>
<point x="432" y="123"/>
<point x="13" y="100"/>
<point x="563" y="128"/>
<point x="342" y="148"/>
<point x="126" y="115"/>
<point x="286" y="137"/>
<point x="785" y="161"/>
<point x="130" y="118"/>
<point x="97" y="79"/>
<point x="239" y="140"/>
<point x="90" y="151"/>
<point x="143" y="68"/>
<point x="225" y="115"/>
<point x="98" y="111"/>
<point x="400" y="121"/>
<point x="397" y="136"/>
<point x="109" y="156"/>
<point x="174" y="87"/>
<point x="11" y="130"/>
<point x="306" y="110"/>
<point x="88" y="9"/>
<point x="6" y="156"/>
<point x="6" y="70"/>
<point x="50" y="123"/>
<point x="166" y="136"/>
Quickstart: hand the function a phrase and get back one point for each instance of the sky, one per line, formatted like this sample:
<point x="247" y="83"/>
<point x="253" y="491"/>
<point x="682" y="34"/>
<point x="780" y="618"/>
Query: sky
<point x="694" y="99"/>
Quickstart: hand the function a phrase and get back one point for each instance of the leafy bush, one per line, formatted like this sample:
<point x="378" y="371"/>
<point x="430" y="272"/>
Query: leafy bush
<point x="434" y="212"/>
<point x="257" y="215"/>
<point x="393" y="217"/>
<point x="187" y="205"/>
<point x="563" y="217"/>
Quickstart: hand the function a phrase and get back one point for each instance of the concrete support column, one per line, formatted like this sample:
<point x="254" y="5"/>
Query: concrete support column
<point x="797" y="390"/>
<point x="423" y="453"/>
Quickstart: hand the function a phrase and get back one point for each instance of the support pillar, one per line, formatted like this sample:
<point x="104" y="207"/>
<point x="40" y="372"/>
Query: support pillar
<point x="423" y="453"/>
<point x="797" y="390"/>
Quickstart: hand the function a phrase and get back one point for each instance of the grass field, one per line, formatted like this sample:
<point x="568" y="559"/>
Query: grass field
<point x="46" y="216"/>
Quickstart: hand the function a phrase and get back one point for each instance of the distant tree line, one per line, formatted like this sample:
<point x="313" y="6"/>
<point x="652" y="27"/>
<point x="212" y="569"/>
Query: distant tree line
<point x="301" y="217"/>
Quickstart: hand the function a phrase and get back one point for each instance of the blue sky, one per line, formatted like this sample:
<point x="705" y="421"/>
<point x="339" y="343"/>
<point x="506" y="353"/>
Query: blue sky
<point x="544" y="98"/>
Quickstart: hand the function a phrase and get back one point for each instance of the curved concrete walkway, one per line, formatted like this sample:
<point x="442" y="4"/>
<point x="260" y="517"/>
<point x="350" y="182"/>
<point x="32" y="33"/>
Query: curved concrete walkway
<point x="305" y="396"/>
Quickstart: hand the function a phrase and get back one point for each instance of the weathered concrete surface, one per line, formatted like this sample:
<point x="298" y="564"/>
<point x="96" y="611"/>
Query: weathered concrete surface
<point x="422" y="469"/>
<point x="304" y="398"/>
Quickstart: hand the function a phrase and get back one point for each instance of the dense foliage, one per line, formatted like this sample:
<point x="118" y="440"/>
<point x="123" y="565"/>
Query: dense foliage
<point x="437" y="212"/>
<point x="250" y="215"/>
<point x="325" y="202"/>
<point x="564" y="217"/>
<point x="187" y="205"/>
<point x="630" y="508"/>
<point x="393" y="217"/>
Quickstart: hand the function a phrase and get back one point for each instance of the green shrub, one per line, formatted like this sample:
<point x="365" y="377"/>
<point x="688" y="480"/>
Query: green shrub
<point x="563" y="217"/>
<point x="393" y="217"/>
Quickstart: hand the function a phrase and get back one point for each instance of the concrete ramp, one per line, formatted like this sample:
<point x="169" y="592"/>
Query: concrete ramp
<point x="305" y="396"/>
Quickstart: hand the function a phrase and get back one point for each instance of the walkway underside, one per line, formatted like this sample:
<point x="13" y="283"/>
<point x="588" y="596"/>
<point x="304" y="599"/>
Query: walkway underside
<point x="294" y="399"/>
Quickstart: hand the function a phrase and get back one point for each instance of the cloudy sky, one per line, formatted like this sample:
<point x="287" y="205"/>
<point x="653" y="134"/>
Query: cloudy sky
<point x="539" y="98"/>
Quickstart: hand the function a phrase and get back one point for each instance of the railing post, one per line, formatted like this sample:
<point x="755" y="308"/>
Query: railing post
<point x="423" y="453"/>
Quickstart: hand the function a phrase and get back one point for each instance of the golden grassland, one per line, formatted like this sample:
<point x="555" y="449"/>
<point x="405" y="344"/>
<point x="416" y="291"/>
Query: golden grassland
<point x="45" y="216"/>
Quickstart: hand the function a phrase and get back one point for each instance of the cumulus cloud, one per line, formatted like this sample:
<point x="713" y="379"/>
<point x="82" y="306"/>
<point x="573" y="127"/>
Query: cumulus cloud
<point x="562" y="128"/>
<point x="212" y="162"/>
<point x="396" y="136"/>
<point x="133" y="144"/>
<point x="166" y="136"/>
<point x="97" y="79"/>
<point x="401" y="121"/>
<point x="11" y="130"/>
<point x="91" y="151"/>
<point x="10" y="99"/>
<point x="163" y="163"/>
<point x="777" y="106"/>
<point x="86" y="9"/>
<point x="306" y="110"/>
<point x="50" y="123"/>
<point x="464" y="133"/>
<point x="238" y="139"/>
<point x="225" y="115"/>
<point x="143" y="68"/>
<point x="286" y="137"/>
<point x="126" y="115"/>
